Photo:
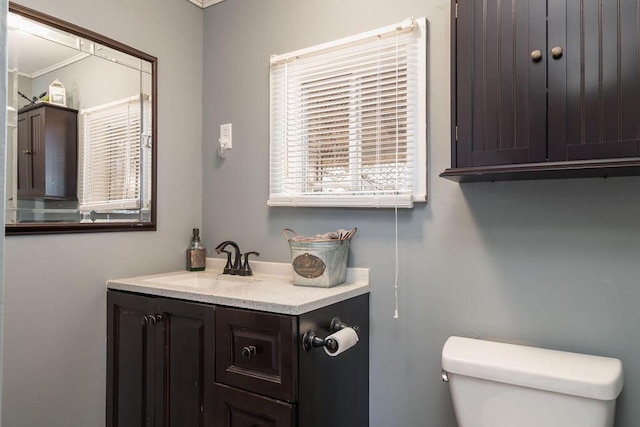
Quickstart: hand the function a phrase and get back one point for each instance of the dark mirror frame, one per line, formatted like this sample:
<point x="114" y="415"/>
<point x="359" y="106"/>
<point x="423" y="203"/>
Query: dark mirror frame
<point x="68" y="227"/>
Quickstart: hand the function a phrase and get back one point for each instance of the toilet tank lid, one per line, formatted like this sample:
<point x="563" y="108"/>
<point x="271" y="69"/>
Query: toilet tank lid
<point x="576" y="374"/>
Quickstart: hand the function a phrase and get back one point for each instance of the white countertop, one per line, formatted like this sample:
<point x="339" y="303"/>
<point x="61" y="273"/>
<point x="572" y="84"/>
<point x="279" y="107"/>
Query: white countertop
<point x="270" y="288"/>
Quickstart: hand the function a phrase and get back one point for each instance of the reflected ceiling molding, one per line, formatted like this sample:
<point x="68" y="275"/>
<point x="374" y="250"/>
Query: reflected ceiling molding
<point x="60" y="64"/>
<point x="205" y="3"/>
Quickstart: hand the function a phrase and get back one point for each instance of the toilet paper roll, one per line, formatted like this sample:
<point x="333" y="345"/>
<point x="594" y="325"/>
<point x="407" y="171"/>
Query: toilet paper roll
<point x="344" y="338"/>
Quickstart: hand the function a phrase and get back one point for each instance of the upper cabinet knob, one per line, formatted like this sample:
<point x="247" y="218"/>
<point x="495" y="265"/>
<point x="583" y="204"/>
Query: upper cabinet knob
<point x="556" y="52"/>
<point x="536" y="55"/>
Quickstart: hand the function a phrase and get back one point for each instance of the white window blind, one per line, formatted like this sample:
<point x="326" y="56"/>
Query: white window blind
<point x="348" y="121"/>
<point x="116" y="156"/>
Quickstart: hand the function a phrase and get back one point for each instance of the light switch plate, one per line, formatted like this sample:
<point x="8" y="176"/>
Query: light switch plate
<point x="225" y="139"/>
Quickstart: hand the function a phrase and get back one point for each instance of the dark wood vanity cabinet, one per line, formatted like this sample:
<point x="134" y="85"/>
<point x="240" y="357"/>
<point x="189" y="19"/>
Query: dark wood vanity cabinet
<point x="159" y="361"/>
<point x="47" y="152"/>
<point x="206" y="365"/>
<point x="544" y="89"/>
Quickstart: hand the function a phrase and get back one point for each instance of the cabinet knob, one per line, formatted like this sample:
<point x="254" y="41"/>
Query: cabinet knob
<point x="144" y="320"/>
<point x="26" y="152"/>
<point x="248" y="351"/>
<point x="153" y="319"/>
<point x="536" y="55"/>
<point x="556" y="52"/>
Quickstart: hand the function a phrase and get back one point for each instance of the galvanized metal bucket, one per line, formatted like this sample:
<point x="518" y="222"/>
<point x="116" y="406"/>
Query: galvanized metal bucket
<point x="319" y="262"/>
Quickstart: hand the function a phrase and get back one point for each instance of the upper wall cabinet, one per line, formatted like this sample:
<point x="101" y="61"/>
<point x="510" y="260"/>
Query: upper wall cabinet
<point x="544" y="89"/>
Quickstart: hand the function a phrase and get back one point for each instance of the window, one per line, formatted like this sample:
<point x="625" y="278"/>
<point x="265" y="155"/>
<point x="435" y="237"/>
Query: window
<point x="348" y="121"/>
<point x="115" y="181"/>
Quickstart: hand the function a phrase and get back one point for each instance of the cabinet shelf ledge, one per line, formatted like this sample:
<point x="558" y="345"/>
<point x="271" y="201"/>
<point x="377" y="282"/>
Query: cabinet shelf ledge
<point x="546" y="170"/>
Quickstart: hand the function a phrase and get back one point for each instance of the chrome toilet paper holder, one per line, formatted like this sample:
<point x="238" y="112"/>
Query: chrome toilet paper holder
<point x="311" y="340"/>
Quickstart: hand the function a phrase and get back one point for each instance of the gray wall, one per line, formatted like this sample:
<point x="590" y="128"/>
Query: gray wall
<point x="553" y="263"/>
<point x="55" y="317"/>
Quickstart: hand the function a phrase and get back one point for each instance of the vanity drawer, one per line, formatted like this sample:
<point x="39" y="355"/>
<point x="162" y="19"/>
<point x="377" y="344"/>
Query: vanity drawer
<point x="237" y="408"/>
<point x="257" y="352"/>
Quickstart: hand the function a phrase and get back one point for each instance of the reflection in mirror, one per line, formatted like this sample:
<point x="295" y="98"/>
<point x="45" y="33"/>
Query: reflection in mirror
<point x="81" y="129"/>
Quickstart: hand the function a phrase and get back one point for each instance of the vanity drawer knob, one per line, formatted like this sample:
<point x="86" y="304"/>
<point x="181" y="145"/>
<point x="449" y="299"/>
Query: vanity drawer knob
<point x="248" y="351"/>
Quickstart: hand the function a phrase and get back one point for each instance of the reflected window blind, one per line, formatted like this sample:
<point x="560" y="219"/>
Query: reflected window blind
<point x="116" y="155"/>
<point x="348" y="121"/>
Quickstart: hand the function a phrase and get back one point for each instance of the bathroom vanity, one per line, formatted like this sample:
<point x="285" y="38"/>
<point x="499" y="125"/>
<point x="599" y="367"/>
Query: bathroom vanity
<point x="205" y="349"/>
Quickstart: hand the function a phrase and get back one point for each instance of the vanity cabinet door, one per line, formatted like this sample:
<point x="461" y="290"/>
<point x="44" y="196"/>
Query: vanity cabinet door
<point x="185" y="364"/>
<point x="160" y="362"/>
<point x="237" y="408"/>
<point x="130" y="366"/>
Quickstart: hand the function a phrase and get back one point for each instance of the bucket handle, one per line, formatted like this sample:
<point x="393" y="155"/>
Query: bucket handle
<point x="349" y="235"/>
<point x="284" y="233"/>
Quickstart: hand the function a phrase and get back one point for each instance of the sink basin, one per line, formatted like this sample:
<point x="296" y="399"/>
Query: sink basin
<point x="202" y="280"/>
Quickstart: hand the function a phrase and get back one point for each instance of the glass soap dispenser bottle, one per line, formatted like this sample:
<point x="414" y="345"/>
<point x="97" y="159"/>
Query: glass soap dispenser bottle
<point x="196" y="253"/>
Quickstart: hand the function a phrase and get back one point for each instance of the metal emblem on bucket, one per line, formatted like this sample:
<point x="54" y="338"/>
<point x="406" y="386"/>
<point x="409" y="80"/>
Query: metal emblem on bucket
<point x="309" y="266"/>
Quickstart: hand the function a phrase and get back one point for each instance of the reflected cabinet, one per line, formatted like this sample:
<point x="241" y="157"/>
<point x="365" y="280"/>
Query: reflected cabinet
<point x="544" y="89"/>
<point x="47" y="152"/>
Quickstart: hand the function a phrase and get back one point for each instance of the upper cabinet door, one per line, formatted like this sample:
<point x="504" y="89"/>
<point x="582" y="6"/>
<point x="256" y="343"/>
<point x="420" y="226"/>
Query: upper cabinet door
<point x="594" y="80"/>
<point x="500" y="82"/>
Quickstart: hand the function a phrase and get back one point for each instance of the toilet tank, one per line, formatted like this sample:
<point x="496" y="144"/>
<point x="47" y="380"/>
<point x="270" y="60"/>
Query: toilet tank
<point x="505" y="385"/>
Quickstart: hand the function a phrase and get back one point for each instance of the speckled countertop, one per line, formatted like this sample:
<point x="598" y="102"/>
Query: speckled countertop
<point x="270" y="288"/>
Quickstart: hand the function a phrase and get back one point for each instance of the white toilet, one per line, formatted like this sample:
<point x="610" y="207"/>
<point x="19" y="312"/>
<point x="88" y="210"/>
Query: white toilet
<point x="504" y="385"/>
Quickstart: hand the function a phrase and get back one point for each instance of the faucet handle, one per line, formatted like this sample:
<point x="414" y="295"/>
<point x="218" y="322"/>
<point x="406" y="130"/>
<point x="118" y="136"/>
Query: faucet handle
<point x="246" y="268"/>
<point x="227" y="268"/>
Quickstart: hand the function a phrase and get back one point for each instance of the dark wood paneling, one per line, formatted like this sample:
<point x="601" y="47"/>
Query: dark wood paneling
<point x="609" y="63"/>
<point x="185" y="352"/>
<point x="506" y="84"/>
<point x="500" y="92"/>
<point x="462" y="120"/>
<point x="604" y="150"/>
<point x="537" y="82"/>
<point x="557" y="80"/>
<point x="602" y="96"/>
<point x="629" y="72"/>
<point x="573" y="131"/>
<point x="486" y="64"/>
<point x="237" y="408"/>
<point x="590" y="31"/>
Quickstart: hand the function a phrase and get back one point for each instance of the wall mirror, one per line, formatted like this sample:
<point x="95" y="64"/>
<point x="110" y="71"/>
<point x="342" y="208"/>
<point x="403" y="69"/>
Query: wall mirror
<point x="81" y="133"/>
